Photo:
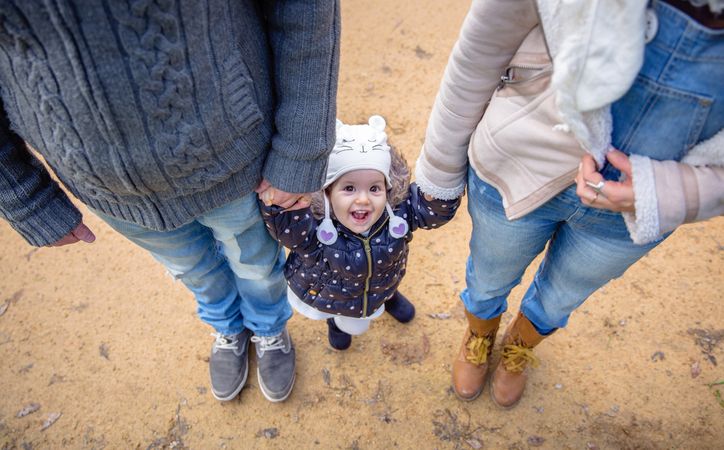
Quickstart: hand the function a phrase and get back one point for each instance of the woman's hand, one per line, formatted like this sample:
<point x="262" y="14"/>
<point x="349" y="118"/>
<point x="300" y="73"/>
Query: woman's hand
<point x="596" y="192"/>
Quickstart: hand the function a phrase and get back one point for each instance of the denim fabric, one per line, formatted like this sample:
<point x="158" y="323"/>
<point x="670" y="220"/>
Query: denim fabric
<point x="673" y="104"/>
<point x="228" y="260"/>
<point x="588" y="247"/>
<point x="675" y="101"/>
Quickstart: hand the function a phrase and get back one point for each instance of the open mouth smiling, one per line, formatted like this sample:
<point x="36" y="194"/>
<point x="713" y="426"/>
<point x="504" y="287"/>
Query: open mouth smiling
<point x="360" y="216"/>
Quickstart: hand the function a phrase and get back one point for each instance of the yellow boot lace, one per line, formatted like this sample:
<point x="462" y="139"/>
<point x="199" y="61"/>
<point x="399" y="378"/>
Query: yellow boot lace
<point x="477" y="350"/>
<point x="517" y="357"/>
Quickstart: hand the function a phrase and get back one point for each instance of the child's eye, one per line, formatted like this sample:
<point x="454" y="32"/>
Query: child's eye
<point x="349" y="188"/>
<point x="375" y="189"/>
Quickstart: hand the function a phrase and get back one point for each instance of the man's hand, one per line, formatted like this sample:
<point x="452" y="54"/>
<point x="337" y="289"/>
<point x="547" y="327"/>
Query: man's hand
<point x="287" y="200"/>
<point x="596" y="192"/>
<point x="79" y="233"/>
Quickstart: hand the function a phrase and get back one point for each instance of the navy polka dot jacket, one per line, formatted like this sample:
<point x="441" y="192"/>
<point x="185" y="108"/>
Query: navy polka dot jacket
<point x="357" y="274"/>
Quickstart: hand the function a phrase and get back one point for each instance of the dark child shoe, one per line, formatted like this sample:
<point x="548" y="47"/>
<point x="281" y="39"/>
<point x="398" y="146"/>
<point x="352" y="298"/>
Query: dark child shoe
<point x="229" y="364"/>
<point x="275" y="362"/>
<point x="400" y="308"/>
<point x="338" y="339"/>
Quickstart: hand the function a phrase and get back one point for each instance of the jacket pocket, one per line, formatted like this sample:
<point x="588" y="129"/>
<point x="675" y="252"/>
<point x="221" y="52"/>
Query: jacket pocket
<point x="658" y="121"/>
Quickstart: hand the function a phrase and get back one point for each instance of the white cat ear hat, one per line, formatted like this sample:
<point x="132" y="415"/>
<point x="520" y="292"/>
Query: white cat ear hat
<point x="359" y="147"/>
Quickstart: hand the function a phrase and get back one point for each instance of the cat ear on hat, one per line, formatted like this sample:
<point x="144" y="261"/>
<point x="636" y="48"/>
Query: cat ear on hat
<point x="377" y="122"/>
<point x="345" y="134"/>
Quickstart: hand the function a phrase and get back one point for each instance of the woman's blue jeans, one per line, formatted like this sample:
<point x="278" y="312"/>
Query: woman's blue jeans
<point x="588" y="247"/>
<point x="675" y="102"/>
<point x="229" y="261"/>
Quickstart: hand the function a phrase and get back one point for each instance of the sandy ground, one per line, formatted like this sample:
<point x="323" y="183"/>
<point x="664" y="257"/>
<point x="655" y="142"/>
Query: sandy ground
<point x="100" y="335"/>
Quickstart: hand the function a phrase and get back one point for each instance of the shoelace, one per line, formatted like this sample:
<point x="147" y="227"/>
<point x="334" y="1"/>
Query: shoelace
<point x="225" y="342"/>
<point x="477" y="350"/>
<point x="517" y="357"/>
<point x="268" y="343"/>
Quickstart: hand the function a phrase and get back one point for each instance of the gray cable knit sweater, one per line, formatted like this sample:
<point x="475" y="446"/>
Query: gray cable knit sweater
<point x="156" y="112"/>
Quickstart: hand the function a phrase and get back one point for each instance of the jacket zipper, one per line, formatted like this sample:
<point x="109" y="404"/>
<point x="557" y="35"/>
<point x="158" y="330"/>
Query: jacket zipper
<point x="505" y="79"/>
<point x="508" y="79"/>
<point x="368" y="254"/>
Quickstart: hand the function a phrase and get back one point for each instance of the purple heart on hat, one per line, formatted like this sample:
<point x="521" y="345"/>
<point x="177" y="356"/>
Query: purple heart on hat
<point x="400" y="229"/>
<point x="326" y="235"/>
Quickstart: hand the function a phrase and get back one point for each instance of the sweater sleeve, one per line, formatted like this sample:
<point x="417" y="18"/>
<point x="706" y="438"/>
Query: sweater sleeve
<point x="421" y="213"/>
<point x="304" y="40"/>
<point x="491" y="33"/>
<point x="31" y="202"/>
<point x="295" y="230"/>
<point x="669" y="193"/>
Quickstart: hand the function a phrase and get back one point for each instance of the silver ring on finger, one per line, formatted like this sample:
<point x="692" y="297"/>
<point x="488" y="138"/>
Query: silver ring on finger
<point x="598" y="187"/>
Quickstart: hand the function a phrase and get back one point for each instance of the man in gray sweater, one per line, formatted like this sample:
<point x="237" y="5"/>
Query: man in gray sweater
<point x="164" y="118"/>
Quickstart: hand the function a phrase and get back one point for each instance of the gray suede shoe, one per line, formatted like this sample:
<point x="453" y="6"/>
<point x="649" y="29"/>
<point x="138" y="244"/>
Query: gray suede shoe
<point x="229" y="364"/>
<point x="275" y="365"/>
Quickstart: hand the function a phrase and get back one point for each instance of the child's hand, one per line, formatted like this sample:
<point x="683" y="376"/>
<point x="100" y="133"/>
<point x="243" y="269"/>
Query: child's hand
<point x="290" y="201"/>
<point x="267" y="196"/>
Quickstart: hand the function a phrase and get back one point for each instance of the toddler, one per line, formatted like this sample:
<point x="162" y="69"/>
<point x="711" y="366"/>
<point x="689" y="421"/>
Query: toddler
<point x="349" y="248"/>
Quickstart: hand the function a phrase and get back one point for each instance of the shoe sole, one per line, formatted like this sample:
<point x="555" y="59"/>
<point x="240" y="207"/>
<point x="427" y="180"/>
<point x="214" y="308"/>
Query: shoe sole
<point x="236" y="391"/>
<point x="402" y="321"/>
<point x="268" y="396"/>
<point x="492" y="397"/>
<point x="468" y="399"/>
<point x="339" y="349"/>
<point x="477" y="394"/>
<point x="480" y="391"/>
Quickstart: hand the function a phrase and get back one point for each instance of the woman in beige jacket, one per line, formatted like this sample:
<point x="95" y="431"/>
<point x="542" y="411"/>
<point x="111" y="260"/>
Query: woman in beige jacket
<point x="532" y="92"/>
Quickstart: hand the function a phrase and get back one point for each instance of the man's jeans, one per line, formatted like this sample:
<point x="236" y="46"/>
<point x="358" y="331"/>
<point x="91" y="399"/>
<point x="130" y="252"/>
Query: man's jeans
<point x="230" y="263"/>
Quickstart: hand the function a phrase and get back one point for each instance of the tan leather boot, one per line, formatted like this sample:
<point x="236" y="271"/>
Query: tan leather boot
<point x="509" y="378"/>
<point x="470" y="367"/>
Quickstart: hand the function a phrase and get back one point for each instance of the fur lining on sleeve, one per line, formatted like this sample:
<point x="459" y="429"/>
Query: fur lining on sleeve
<point x="707" y="153"/>
<point x="440" y="193"/>
<point x="643" y="225"/>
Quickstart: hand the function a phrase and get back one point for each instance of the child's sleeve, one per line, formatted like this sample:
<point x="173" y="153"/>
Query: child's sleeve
<point x="425" y="214"/>
<point x="295" y="230"/>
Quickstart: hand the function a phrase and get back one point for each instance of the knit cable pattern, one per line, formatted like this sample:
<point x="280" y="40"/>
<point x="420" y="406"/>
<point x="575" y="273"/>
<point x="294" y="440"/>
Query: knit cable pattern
<point x="151" y="35"/>
<point x="32" y="71"/>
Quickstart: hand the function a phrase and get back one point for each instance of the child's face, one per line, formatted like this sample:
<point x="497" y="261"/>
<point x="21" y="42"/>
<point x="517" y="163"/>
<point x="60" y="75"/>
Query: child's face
<point x="358" y="199"/>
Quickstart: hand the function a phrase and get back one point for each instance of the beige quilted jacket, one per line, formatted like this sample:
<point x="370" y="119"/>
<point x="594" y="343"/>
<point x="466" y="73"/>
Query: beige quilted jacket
<point x="539" y="124"/>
